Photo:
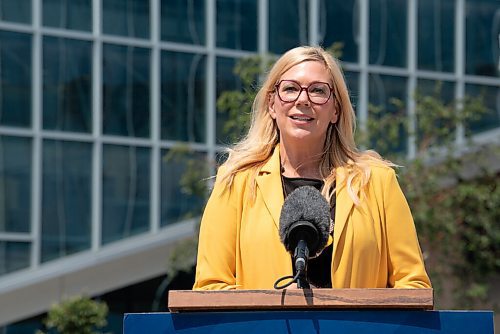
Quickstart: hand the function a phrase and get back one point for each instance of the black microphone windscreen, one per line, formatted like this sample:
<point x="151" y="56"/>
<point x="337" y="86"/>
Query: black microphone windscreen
<point x="306" y="204"/>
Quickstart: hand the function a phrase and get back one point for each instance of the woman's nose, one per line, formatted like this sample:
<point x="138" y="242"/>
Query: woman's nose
<point x="303" y="97"/>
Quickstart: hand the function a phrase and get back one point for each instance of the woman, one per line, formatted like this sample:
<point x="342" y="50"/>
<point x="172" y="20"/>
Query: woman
<point x="301" y="133"/>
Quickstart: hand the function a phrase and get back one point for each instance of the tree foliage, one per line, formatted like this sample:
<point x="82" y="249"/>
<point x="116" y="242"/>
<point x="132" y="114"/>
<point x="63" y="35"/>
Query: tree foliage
<point x="77" y="315"/>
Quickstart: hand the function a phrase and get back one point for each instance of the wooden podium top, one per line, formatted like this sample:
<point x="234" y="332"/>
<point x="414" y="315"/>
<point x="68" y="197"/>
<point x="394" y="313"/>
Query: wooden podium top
<point x="187" y="300"/>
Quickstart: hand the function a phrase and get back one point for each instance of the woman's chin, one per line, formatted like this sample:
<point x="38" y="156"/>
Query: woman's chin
<point x="304" y="137"/>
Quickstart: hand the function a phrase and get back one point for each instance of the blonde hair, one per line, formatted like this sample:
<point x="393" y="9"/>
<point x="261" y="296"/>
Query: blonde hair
<point x="253" y="151"/>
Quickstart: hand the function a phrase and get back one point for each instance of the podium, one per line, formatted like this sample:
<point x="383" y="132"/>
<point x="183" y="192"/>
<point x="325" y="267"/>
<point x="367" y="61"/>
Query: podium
<point x="307" y="311"/>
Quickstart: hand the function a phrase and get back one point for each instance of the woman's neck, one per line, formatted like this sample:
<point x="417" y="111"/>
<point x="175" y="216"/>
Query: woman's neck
<point x="297" y="162"/>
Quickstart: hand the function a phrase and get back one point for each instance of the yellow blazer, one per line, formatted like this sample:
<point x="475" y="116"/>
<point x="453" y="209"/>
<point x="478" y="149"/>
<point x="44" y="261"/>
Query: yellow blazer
<point x="375" y="243"/>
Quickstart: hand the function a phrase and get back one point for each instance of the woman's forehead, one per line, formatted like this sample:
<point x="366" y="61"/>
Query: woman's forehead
<point x="308" y="71"/>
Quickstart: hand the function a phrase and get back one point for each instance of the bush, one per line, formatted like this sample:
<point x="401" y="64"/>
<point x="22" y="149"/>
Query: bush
<point x="78" y="315"/>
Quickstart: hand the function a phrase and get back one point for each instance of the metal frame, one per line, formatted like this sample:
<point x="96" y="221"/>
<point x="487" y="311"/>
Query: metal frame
<point x="155" y="181"/>
<point x="36" y="182"/>
<point x="411" y="55"/>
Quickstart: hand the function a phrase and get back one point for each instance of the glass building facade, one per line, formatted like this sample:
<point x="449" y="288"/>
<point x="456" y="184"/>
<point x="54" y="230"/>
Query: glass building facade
<point x="94" y="94"/>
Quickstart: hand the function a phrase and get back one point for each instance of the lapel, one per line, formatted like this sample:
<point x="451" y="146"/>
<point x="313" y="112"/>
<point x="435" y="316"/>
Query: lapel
<point x="270" y="187"/>
<point x="343" y="205"/>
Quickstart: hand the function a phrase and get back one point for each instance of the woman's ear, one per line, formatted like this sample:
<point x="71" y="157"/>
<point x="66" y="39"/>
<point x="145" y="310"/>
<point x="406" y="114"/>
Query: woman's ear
<point x="335" y="117"/>
<point x="270" y="109"/>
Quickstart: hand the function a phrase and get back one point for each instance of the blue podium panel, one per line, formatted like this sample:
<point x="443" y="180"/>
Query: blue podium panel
<point x="291" y="322"/>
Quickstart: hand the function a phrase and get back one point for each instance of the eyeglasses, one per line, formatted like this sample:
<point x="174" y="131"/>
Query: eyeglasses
<point x="317" y="92"/>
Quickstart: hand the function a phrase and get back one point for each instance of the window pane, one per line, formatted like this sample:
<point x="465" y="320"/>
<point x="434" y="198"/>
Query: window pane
<point x="226" y="81"/>
<point x="67" y="89"/>
<point x="68" y="14"/>
<point x="335" y="14"/>
<point x="15" y="184"/>
<point x="14" y="256"/>
<point x="383" y="89"/>
<point x="482" y="37"/>
<point x="66" y="198"/>
<point x="183" y="96"/>
<point x="183" y="185"/>
<point x="288" y="25"/>
<point x="29" y="325"/>
<point x="183" y="21"/>
<point x="490" y="97"/>
<point x="125" y="191"/>
<point x="15" y="79"/>
<point x="387" y="32"/>
<point x="237" y="24"/>
<point x="126" y="91"/>
<point x="441" y="89"/>
<point x="436" y="35"/>
<point x="15" y="11"/>
<point x="126" y="18"/>
<point x="352" y="80"/>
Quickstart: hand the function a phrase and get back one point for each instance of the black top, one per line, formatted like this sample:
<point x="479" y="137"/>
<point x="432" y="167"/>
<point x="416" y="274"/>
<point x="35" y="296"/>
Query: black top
<point x="318" y="268"/>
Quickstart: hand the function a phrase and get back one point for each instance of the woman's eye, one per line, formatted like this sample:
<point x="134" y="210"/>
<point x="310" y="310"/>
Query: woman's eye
<point x="318" y="90"/>
<point x="290" y="89"/>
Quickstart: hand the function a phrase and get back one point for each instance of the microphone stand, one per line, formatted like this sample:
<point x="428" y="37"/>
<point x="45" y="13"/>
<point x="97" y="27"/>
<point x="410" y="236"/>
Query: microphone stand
<point x="301" y="255"/>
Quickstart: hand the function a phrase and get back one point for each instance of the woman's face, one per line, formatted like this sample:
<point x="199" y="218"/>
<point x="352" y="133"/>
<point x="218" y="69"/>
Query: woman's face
<point x="303" y="122"/>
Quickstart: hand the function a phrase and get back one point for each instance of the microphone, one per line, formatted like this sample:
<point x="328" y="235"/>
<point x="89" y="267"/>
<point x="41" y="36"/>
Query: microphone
<point x="304" y="226"/>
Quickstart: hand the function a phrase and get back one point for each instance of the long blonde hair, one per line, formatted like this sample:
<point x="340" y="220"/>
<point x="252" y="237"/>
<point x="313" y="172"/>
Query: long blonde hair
<point x="253" y="151"/>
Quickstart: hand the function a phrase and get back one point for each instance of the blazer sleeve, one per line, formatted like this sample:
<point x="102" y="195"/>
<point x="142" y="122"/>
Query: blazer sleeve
<point x="216" y="260"/>
<point x="405" y="263"/>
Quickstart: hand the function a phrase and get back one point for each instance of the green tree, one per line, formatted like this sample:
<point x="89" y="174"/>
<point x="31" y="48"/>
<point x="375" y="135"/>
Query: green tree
<point x="77" y="315"/>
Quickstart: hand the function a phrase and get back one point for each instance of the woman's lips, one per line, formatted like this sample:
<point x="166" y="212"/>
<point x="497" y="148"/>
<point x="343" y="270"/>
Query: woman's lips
<point x="301" y="118"/>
